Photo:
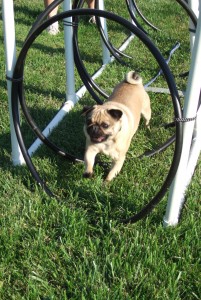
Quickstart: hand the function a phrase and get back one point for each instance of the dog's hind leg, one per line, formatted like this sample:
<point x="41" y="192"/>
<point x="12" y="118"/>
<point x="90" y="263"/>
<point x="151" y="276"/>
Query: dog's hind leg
<point x="146" y="111"/>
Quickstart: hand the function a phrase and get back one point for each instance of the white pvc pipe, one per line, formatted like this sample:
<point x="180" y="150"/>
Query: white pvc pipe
<point x="194" y="5"/>
<point x="195" y="149"/>
<point x="179" y="186"/>
<point x="53" y="124"/>
<point x="10" y="54"/>
<point x="106" y="53"/>
<point x="69" y="57"/>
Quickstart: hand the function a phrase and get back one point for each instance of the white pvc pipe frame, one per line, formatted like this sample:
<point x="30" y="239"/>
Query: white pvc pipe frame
<point x="10" y="54"/>
<point x="192" y="130"/>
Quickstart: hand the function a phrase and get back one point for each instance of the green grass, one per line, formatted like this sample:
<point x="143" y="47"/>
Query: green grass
<point x="73" y="246"/>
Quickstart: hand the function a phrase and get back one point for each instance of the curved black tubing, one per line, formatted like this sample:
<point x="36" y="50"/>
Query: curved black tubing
<point x="84" y="75"/>
<point x="160" y="148"/>
<point x="132" y="15"/>
<point x="183" y="3"/>
<point x="17" y="92"/>
<point x="172" y="139"/>
<point x="27" y="158"/>
<point x="88" y="81"/>
<point x="86" y="78"/>
<point x="133" y="2"/>
<point x="113" y="50"/>
<point x="109" y="46"/>
<point x="189" y="11"/>
<point x="150" y="206"/>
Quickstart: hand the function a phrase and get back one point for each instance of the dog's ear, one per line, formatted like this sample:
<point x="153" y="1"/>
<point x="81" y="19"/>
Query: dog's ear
<point x="86" y="110"/>
<point x="115" y="113"/>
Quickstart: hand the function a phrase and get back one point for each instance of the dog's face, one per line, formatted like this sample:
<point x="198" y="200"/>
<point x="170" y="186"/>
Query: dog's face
<point x="102" y="123"/>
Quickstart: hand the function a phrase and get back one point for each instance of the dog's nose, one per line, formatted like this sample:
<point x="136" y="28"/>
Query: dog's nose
<point x="96" y="129"/>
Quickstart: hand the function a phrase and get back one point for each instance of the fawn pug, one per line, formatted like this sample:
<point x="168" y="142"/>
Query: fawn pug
<point x="110" y="127"/>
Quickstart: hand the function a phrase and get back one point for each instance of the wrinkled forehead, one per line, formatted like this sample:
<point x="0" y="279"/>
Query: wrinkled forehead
<point x="99" y="115"/>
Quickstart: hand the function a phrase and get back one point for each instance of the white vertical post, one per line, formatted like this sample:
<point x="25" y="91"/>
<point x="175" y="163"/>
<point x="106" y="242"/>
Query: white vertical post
<point x="194" y="5"/>
<point x="106" y="52"/>
<point x="195" y="148"/>
<point x="179" y="186"/>
<point x="10" y="54"/>
<point x="69" y="57"/>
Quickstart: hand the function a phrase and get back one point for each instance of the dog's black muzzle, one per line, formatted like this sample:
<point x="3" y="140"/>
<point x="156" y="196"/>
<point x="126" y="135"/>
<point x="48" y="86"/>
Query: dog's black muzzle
<point x="96" y="134"/>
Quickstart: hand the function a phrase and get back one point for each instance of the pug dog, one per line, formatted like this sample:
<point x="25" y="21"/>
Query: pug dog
<point x="109" y="127"/>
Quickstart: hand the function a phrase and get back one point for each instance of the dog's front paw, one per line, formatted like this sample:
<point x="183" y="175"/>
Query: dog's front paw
<point x="87" y="175"/>
<point x="106" y="182"/>
<point x="108" y="179"/>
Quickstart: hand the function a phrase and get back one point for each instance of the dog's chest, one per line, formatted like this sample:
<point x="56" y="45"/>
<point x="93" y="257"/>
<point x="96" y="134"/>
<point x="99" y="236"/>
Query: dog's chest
<point x="110" y="149"/>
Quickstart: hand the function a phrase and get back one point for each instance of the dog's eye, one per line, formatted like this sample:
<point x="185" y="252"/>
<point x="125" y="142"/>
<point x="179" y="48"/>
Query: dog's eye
<point x="104" y="125"/>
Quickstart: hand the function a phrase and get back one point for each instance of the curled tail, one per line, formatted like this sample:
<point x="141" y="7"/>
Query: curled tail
<point x="133" y="77"/>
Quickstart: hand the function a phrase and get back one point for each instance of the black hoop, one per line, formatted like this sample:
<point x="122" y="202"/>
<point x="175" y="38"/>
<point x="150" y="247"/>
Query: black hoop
<point x="18" y="93"/>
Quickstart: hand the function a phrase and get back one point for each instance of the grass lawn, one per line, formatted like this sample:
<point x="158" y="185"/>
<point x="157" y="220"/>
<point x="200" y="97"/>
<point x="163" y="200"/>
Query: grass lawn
<point x="73" y="246"/>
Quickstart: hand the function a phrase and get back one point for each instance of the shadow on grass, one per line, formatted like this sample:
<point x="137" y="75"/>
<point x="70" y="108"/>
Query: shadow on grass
<point x="30" y="14"/>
